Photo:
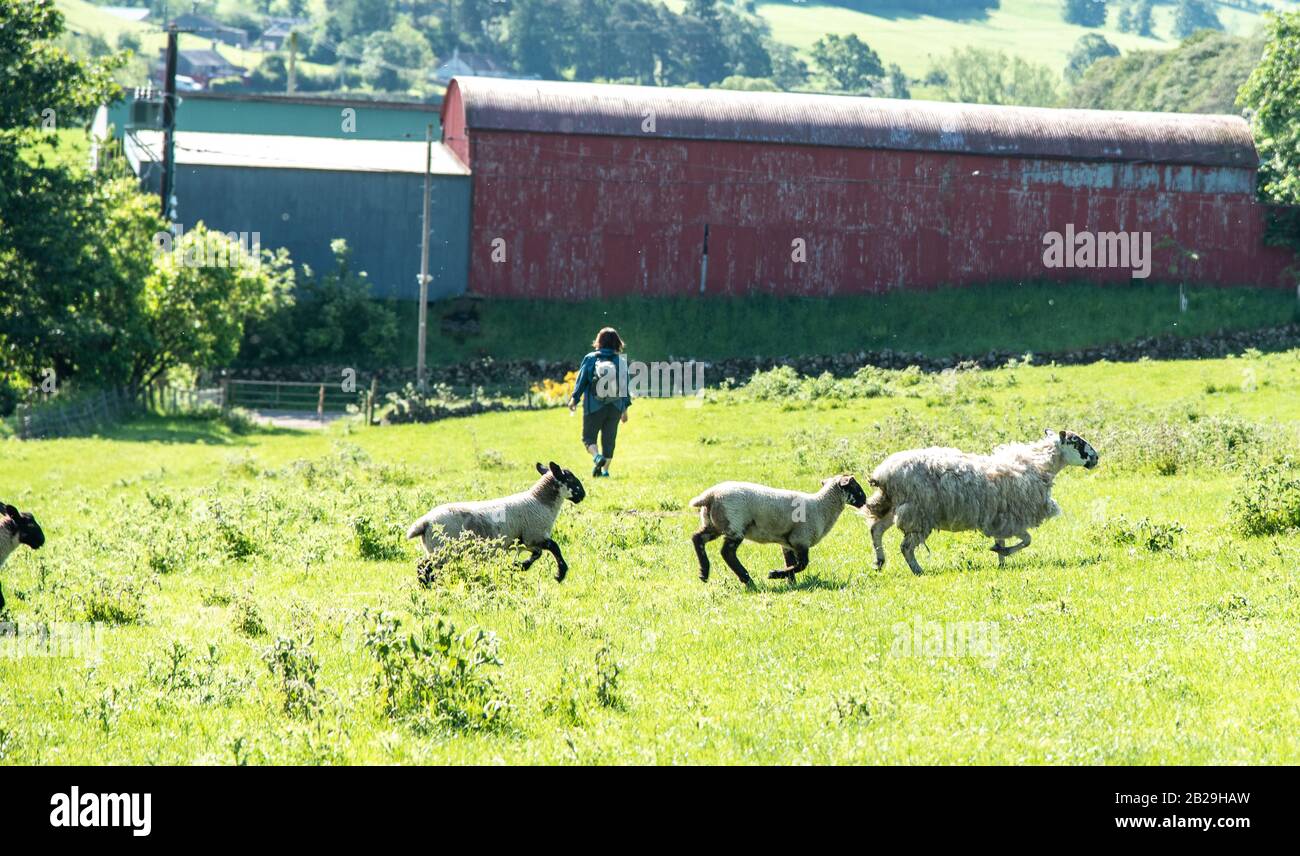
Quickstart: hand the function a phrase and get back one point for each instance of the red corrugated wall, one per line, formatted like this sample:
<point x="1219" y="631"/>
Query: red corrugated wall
<point x="597" y="216"/>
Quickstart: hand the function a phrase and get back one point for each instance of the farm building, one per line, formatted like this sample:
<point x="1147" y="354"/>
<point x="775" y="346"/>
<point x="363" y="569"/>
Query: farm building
<point x="587" y="190"/>
<point x="301" y="192"/>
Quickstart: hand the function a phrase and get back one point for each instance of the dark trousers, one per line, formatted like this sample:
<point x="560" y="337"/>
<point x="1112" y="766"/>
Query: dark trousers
<point x="604" y="422"/>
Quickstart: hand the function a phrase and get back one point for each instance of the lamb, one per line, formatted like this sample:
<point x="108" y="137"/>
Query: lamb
<point x="736" y="511"/>
<point x="1002" y="495"/>
<point x="523" y="518"/>
<point x="17" y="528"/>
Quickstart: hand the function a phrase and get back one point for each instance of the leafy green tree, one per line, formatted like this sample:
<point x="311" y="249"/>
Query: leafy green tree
<point x="1085" y="13"/>
<point x="981" y="76"/>
<point x="361" y="17"/>
<point x="1087" y="50"/>
<point x="1135" y="17"/>
<point x="536" y="39"/>
<point x="899" y="85"/>
<point x="395" y="59"/>
<point x="1273" y="94"/>
<point x="82" y="292"/>
<point x="1193" y="15"/>
<point x="848" y="61"/>
<point x="789" y="71"/>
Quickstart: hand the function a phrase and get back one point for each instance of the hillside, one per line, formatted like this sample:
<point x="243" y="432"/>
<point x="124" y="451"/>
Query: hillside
<point x="1031" y="29"/>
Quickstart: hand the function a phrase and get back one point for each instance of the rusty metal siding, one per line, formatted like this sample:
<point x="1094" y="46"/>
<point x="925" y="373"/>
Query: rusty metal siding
<point x="550" y="107"/>
<point x="586" y="216"/>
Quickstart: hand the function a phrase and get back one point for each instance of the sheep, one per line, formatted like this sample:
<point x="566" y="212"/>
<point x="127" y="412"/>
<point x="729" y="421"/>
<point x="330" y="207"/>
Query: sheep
<point x="17" y="528"/>
<point x="736" y="511"/>
<point x="523" y="518"/>
<point x="1002" y="495"/>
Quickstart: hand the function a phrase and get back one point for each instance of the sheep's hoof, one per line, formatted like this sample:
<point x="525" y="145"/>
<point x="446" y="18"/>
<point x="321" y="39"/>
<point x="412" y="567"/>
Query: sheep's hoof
<point x="704" y="575"/>
<point x="559" y="575"/>
<point x="747" y="580"/>
<point x="781" y="575"/>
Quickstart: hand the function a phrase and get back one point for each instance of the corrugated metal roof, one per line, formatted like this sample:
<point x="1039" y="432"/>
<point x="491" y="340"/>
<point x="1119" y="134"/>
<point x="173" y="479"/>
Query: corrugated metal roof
<point x="873" y="123"/>
<point x="284" y="152"/>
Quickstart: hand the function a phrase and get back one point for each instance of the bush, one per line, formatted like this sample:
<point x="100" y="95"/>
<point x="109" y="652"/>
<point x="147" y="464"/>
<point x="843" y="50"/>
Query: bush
<point x="475" y="564"/>
<point x="1268" y="501"/>
<point x="438" y="677"/>
<point x="1154" y="537"/>
<point x="98" y="597"/>
<point x="377" y="543"/>
<point x="295" y="666"/>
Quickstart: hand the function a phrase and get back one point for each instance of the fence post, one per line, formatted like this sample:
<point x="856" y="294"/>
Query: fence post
<point x="320" y="404"/>
<point x="370" y="401"/>
<point x="225" y="394"/>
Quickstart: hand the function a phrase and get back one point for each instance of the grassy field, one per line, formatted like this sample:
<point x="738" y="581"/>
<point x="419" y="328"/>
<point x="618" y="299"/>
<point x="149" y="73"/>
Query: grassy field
<point x="1145" y="625"/>
<point x="1032" y="29"/>
<point x="1038" y="317"/>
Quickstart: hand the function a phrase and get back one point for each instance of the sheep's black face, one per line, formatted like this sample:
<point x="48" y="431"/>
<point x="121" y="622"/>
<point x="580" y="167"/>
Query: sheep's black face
<point x="568" y="482"/>
<point x="1077" y="451"/>
<point x="854" y="495"/>
<point x="25" y="527"/>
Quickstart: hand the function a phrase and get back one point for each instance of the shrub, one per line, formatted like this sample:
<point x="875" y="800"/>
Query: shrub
<point x="437" y="678"/>
<point x="374" y="543"/>
<point x="99" y="597"/>
<point x="473" y="563"/>
<point x="1268" y="502"/>
<point x="294" y="665"/>
<point x="247" y="619"/>
<point x="1155" y="537"/>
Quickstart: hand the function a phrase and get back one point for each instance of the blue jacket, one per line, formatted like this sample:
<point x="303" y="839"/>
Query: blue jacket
<point x="585" y="387"/>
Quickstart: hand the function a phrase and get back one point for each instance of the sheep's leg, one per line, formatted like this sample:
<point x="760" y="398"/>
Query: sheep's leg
<point x="912" y="540"/>
<point x="1003" y="552"/>
<point x="699" y="539"/>
<point x="536" y="553"/>
<point x="796" y="560"/>
<point x="1000" y="547"/>
<point x="878" y="529"/>
<point x="729" y="546"/>
<point x="561" y="566"/>
<point x="2" y="598"/>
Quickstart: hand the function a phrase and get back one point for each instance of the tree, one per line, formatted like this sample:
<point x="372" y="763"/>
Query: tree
<point x="850" y="64"/>
<point x="981" y="76"/>
<point x="1273" y="94"/>
<point x="1087" y="50"/>
<point x="83" y="295"/>
<point x="1193" y="15"/>
<point x="1135" y="17"/>
<point x="1085" y="13"/>
<point x="899" y="85"/>
<point x="534" y="38"/>
<point x="394" y="59"/>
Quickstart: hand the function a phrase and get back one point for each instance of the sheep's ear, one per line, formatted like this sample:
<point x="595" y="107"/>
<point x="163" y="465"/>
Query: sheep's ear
<point x="1061" y="436"/>
<point x="11" y="511"/>
<point x="845" y="481"/>
<point x="556" y="470"/>
<point x="541" y="470"/>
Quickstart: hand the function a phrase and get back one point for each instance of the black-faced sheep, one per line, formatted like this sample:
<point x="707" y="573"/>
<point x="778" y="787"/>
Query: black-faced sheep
<point x="17" y="528"/>
<point x="1002" y="495"/>
<point x="736" y="511"/>
<point x="523" y="518"/>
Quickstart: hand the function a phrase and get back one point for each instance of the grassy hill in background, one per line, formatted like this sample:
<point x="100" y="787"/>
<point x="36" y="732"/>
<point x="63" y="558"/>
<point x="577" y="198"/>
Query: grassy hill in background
<point x="1031" y="29"/>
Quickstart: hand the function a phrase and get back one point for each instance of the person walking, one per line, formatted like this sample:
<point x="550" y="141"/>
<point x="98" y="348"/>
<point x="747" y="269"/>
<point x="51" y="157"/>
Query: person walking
<point x="602" y="387"/>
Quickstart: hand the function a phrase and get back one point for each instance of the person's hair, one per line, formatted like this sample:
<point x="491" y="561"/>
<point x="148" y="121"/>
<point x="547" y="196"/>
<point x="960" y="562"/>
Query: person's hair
<point x="608" y="338"/>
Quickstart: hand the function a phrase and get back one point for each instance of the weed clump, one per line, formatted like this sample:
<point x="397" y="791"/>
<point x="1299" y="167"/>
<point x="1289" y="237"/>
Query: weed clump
<point x="438" y="677"/>
<point x="1151" y="536"/>
<point x="1269" y="501"/>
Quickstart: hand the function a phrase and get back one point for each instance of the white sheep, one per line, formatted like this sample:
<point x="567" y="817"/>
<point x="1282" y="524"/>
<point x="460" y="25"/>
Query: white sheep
<point x="17" y="528"/>
<point x="1002" y="495"/>
<point x="736" y="511"/>
<point x="523" y="518"/>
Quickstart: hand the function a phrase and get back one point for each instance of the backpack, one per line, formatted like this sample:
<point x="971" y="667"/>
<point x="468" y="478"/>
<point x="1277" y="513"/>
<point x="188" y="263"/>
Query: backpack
<point x="607" y="387"/>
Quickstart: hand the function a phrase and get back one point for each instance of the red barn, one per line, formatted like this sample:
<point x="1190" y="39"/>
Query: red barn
<point x="589" y="190"/>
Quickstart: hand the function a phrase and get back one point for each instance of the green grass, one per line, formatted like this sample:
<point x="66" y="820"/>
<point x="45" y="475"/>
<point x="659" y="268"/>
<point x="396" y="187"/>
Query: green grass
<point x="1031" y="317"/>
<point x="1032" y="29"/>
<point x="1108" y="651"/>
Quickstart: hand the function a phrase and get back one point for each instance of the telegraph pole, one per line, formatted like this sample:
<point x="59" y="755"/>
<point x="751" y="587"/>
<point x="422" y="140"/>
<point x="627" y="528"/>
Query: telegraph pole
<point x="424" y="261"/>
<point x="169" y="122"/>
